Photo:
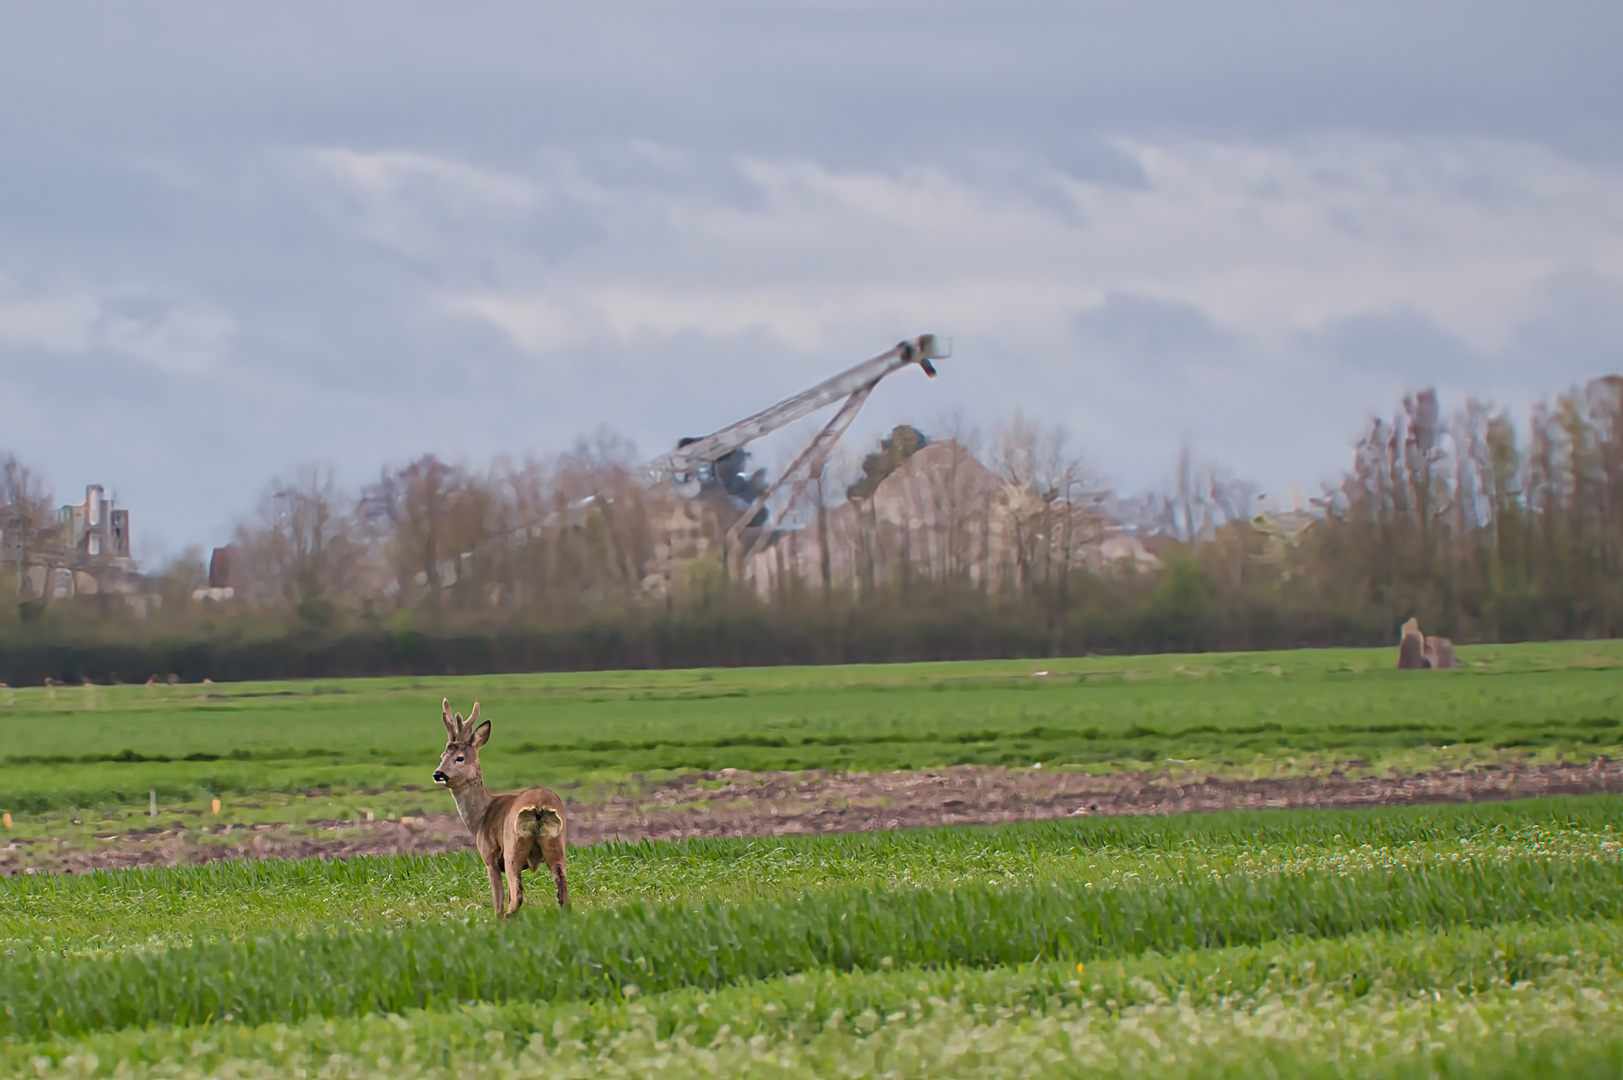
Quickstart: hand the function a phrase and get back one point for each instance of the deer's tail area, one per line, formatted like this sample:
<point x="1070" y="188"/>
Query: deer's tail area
<point x="539" y="821"/>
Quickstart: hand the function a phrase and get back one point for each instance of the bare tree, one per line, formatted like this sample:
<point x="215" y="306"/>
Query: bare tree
<point x="1603" y="405"/>
<point x="1205" y="496"/>
<point x="26" y="519"/>
<point x="1052" y="505"/>
<point x="612" y="545"/>
<point x="957" y="498"/>
<point x="423" y="508"/>
<point x="300" y="546"/>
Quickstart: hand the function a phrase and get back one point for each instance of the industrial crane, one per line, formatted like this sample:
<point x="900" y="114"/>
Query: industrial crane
<point x="682" y="465"/>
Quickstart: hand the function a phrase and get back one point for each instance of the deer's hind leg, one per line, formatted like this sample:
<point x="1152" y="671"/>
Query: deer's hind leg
<point x="517" y="857"/>
<point x="563" y="883"/>
<point x="542" y="854"/>
<point x="551" y="848"/>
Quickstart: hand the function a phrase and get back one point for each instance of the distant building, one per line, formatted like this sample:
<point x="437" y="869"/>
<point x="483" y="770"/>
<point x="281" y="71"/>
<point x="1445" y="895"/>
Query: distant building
<point x="95" y="532"/>
<point x="938" y="512"/>
<point x="225" y="575"/>
<point x="86" y="551"/>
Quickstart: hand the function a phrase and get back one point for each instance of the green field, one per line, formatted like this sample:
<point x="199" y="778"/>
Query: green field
<point x="100" y="748"/>
<point x="1455" y="940"/>
<point x="1428" y="941"/>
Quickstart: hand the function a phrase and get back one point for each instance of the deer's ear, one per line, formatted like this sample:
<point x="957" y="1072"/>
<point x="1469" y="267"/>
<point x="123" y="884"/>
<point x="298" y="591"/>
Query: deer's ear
<point x="481" y="735"/>
<point x="445" y="715"/>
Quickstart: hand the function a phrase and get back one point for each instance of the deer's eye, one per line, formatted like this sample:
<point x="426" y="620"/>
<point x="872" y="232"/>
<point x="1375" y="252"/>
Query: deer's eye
<point x="459" y="759"/>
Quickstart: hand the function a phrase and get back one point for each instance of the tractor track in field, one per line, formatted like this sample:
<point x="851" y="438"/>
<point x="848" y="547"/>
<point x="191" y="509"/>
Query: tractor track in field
<point x="736" y="804"/>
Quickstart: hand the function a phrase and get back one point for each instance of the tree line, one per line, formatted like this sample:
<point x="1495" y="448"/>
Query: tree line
<point x="943" y="544"/>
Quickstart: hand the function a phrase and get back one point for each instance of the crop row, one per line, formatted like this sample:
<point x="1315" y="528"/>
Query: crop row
<point x="658" y="947"/>
<point x="182" y="905"/>
<point x="1505" y="994"/>
<point x="1511" y="732"/>
<point x="127" y="740"/>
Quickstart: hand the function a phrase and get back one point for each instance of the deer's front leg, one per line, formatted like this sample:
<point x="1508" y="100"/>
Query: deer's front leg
<point x="496" y="887"/>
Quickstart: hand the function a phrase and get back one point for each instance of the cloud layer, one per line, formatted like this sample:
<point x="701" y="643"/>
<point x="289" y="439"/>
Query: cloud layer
<point x="165" y="329"/>
<point x="241" y="244"/>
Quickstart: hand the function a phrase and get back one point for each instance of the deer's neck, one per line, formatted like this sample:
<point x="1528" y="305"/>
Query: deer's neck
<point x="471" y="803"/>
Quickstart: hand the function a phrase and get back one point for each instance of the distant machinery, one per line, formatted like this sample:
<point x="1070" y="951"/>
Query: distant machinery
<point x="720" y="458"/>
<point x="730" y="474"/>
<point x="717" y="465"/>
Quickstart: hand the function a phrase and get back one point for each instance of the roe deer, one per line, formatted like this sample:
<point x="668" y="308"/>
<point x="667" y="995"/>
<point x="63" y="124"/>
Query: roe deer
<point x="515" y="832"/>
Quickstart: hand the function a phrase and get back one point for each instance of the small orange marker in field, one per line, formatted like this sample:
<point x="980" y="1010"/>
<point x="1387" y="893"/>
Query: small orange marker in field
<point x="216" y="806"/>
<point x="7" y="819"/>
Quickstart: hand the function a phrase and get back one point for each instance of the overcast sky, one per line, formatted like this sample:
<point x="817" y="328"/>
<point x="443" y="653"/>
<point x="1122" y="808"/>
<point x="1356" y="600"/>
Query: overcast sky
<point x="237" y="237"/>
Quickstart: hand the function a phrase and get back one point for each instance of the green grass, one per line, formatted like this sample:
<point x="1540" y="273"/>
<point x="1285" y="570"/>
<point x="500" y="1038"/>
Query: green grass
<point x="1381" y="989"/>
<point x="1287" y="883"/>
<point x="96" y="748"/>
<point x="108" y="912"/>
<point x="1453" y="940"/>
<point x="1425" y="941"/>
<point x="640" y="948"/>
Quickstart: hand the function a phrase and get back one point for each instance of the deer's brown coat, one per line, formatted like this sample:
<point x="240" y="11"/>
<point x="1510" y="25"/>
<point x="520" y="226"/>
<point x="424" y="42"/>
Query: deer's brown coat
<point x="513" y="832"/>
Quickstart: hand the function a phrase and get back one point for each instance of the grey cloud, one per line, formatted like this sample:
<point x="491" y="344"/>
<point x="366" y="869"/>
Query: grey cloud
<point x="788" y="77"/>
<point x="1573" y="333"/>
<point x="1154" y="335"/>
<point x="1405" y="346"/>
<point x="403" y="228"/>
<point x="1576" y="332"/>
<point x="152" y="325"/>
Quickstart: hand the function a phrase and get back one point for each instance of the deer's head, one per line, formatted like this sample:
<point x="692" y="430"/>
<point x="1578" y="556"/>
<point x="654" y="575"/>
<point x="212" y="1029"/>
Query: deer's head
<point x="459" y="765"/>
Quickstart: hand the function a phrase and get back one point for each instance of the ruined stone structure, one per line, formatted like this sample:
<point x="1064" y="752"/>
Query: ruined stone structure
<point x="86" y="551"/>
<point x="1417" y="652"/>
<point x="940" y="513"/>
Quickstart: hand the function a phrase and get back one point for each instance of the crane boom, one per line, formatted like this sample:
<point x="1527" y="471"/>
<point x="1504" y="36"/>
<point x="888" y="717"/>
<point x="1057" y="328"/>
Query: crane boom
<point x="920" y="350"/>
<point x="854" y="385"/>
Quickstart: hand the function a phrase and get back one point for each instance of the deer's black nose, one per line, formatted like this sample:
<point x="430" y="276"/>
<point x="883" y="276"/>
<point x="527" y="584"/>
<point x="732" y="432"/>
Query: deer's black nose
<point x="440" y="778"/>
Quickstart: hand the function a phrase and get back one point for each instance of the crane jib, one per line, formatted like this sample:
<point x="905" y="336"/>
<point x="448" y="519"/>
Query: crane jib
<point x="920" y="350"/>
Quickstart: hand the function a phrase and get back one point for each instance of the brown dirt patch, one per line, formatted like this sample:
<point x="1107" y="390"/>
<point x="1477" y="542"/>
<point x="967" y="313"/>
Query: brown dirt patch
<point x="801" y="803"/>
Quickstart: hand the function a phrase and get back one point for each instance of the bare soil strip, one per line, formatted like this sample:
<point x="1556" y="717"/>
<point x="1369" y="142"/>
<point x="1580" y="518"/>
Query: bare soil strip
<point x="803" y="803"/>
